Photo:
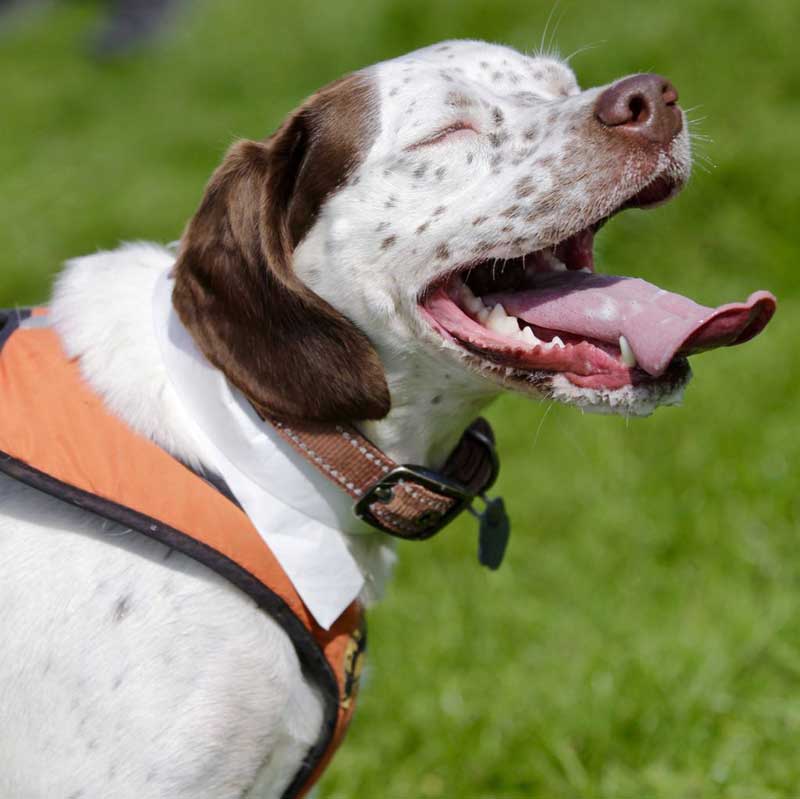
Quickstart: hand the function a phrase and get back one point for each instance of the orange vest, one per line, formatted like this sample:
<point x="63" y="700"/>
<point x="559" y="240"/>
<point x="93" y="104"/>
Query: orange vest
<point x="57" y="436"/>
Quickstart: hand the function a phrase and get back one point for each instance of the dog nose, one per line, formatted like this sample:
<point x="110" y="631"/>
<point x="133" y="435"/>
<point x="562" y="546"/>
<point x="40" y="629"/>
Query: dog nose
<point x="642" y="105"/>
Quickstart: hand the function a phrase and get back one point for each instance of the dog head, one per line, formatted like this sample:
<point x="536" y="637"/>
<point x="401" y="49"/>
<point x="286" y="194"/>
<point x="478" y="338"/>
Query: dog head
<point x="441" y="208"/>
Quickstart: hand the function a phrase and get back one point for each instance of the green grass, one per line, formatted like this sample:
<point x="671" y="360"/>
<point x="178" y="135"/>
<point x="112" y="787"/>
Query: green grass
<point x="643" y="637"/>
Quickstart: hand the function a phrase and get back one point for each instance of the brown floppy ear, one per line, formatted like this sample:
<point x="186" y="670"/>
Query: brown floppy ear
<point x="290" y="352"/>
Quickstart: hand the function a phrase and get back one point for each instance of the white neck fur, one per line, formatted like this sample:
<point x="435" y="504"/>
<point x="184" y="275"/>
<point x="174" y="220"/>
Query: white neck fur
<point x="101" y="308"/>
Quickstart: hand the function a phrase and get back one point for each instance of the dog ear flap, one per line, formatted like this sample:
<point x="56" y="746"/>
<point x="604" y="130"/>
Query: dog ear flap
<point x="291" y="353"/>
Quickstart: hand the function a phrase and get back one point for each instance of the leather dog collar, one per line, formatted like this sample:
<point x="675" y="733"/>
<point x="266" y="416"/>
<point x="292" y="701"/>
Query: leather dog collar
<point x="407" y="501"/>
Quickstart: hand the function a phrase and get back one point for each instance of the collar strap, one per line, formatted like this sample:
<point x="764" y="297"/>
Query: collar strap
<point x="406" y="501"/>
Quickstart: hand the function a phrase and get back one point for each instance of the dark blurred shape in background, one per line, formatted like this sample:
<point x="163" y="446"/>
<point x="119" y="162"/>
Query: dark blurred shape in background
<point x="127" y="24"/>
<point x="130" y="24"/>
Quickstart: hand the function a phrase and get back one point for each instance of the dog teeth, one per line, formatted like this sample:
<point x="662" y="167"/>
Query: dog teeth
<point x="495" y="320"/>
<point x="556" y="344"/>
<point x="527" y="336"/>
<point x="472" y="303"/>
<point x="500" y="322"/>
<point x="628" y="357"/>
<point x="552" y="263"/>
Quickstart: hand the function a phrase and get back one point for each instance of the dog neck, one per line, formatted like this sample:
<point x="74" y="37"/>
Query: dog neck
<point x="431" y="408"/>
<point x="101" y="308"/>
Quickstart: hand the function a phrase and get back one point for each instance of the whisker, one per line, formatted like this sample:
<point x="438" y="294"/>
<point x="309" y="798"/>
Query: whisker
<point x="703" y="156"/>
<point x="552" y="50"/>
<point x="590" y="46"/>
<point x="541" y="50"/>
<point x="541" y="423"/>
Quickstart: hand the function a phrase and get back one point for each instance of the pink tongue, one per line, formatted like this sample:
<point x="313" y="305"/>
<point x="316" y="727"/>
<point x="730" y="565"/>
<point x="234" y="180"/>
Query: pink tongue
<point x="657" y="324"/>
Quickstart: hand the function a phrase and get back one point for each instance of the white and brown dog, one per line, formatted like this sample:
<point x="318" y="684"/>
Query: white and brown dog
<point x="414" y="239"/>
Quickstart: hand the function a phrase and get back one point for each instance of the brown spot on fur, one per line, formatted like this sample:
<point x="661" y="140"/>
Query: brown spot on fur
<point x="497" y="116"/>
<point x="547" y="202"/>
<point x="569" y="153"/>
<point x="525" y="98"/>
<point x="511" y="211"/>
<point x="440" y="210"/>
<point x="442" y="252"/>
<point x="531" y="133"/>
<point x="496" y="139"/>
<point x="441" y="172"/>
<point x="525" y="188"/>
<point x="422" y="228"/>
<point x="459" y="100"/>
<point x="479" y="220"/>
<point x="388" y="242"/>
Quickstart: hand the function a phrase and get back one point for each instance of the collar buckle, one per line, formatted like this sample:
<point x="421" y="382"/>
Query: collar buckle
<point x="431" y="520"/>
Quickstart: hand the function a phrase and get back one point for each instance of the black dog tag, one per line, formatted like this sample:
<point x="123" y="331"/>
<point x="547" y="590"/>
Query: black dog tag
<point x="494" y="529"/>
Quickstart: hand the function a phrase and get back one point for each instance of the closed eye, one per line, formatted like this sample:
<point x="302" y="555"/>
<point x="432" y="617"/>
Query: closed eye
<point x="444" y="133"/>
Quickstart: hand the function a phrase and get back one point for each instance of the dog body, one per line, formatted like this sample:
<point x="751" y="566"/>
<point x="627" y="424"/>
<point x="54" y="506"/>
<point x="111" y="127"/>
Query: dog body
<point x="129" y="670"/>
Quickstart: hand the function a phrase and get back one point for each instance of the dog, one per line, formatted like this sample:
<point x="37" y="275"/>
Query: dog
<point x="413" y="240"/>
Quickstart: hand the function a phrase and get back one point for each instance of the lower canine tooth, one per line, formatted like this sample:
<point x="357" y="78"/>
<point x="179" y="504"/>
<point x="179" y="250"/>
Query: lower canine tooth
<point x="628" y="357"/>
<point x="557" y="342"/>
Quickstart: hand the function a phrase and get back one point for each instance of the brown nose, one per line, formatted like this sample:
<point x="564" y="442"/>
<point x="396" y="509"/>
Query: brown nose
<point x="642" y="105"/>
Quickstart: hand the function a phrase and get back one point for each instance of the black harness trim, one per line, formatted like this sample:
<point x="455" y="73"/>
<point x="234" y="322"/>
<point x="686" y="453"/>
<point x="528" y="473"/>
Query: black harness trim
<point x="10" y="321"/>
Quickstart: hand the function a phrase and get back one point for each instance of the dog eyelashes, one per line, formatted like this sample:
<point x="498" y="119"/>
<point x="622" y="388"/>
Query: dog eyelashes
<point x="444" y="133"/>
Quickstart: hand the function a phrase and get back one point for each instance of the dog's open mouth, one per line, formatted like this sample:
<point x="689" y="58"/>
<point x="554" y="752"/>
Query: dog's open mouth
<point x="548" y="311"/>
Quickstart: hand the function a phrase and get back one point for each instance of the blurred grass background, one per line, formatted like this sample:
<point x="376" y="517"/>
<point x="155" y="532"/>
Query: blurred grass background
<point x="643" y="637"/>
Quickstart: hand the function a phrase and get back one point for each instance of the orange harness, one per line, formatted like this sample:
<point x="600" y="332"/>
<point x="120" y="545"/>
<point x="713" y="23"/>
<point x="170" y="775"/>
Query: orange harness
<point x="47" y="410"/>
